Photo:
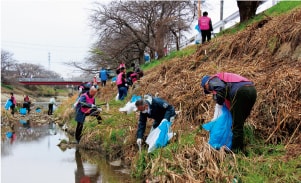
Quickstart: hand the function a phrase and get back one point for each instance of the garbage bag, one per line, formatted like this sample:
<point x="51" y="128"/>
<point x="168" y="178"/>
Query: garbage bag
<point x="128" y="108"/>
<point x="220" y="133"/>
<point x="160" y="136"/>
<point x="8" y="104"/>
<point x="23" y="111"/>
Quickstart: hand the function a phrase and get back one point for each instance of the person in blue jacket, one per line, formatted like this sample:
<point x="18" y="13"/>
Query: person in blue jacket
<point x="103" y="75"/>
<point x="155" y="108"/>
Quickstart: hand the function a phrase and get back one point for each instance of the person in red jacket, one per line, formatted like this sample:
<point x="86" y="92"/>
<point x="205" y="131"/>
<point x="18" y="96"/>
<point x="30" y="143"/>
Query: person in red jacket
<point x="205" y="25"/>
<point x="238" y="94"/>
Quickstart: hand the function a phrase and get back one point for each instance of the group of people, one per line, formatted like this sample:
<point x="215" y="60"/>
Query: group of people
<point x="236" y="92"/>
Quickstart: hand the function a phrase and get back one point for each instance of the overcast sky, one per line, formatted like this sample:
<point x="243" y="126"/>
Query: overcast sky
<point x="31" y="29"/>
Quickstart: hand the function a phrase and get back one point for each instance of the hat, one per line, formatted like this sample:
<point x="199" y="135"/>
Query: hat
<point x="204" y="81"/>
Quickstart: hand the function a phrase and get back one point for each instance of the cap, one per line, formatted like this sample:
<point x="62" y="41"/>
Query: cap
<point x="204" y="81"/>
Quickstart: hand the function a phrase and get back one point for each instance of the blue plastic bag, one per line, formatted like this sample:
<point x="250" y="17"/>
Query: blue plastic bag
<point x="220" y="132"/>
<point x="159" y="137"/>
<point x="23" y="111"/>
<point x="135" y="98"/>
<point x="8" y="104"/>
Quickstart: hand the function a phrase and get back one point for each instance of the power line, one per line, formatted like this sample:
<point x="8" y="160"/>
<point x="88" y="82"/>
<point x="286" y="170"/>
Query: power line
<point x="23" y="44"/>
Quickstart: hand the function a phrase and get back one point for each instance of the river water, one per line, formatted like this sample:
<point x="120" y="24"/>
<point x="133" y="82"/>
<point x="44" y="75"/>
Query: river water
<point x="34" y="157"/>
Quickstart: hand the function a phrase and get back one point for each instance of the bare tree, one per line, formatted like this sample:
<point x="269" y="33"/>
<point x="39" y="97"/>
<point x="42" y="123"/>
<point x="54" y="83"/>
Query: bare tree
<point x="247" y="9"/>
<point x="127" y="28"/>
<point x="8" y="64"/>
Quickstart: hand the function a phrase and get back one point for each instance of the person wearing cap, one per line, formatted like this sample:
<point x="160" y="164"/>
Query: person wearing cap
<point x="238" y="94"/>
<point x="205" y="25"/>
<point x="155" y="108"/>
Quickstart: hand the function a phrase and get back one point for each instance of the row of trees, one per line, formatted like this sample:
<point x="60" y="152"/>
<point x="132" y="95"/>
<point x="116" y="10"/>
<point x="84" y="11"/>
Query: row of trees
<point x="126" y="29"/>
<point x="12" y="70"/>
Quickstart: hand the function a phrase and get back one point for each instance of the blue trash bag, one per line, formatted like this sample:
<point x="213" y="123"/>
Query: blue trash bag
<point x="220" y="133"/>
<point x="9" y="134"/>
<point x="38" y="110"/>
<point x="23" y="111"/>
<point x="159" y="137"/>
<point x="8" y="104"/>
<point x="23" y="122"/>
<point x="135" y="98"/>
<point x="114" y="79"/>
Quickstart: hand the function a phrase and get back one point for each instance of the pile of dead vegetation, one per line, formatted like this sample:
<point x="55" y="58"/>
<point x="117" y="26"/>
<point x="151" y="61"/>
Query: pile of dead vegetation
<point x="269" y="54"/>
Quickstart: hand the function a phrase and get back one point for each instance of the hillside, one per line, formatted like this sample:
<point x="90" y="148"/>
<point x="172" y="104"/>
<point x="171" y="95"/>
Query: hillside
<point x="267" y="52"/>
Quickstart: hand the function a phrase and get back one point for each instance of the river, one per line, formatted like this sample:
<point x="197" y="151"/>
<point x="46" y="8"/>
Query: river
<point x="34" y="157"/>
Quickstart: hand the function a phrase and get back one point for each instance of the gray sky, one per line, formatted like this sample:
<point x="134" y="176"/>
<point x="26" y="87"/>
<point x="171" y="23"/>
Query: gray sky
<point x="30" y="29"/>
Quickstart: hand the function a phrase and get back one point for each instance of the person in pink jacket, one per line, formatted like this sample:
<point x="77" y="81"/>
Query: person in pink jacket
<point x="205" y="26"/>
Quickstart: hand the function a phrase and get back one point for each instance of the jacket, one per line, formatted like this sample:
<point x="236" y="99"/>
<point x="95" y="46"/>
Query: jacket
<point x="159" y="109"/>
<point x="83" y="107"/>
<point x="225" y="85"/>
<point x="205" y="23"/>
<point x="103" y="75"/>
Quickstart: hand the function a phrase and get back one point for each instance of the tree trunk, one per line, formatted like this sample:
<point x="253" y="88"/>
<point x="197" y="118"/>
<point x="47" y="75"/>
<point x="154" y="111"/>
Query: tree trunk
<point x="247" y="9"/>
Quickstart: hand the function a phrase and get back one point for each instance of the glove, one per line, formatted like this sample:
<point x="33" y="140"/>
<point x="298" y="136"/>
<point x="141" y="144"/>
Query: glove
<point x="139" y="141"/>
<point x="164" y="120"/>
<point x="99" y="109"/>
<point x="93" y="106"/>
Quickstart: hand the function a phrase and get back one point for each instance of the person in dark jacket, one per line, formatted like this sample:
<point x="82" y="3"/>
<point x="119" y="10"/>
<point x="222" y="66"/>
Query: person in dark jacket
<point x="238" y="94"/>
<point x="155" y="108"/>
<point x="86" y="107"/>
<point x="205" y="25"/>
<point x="14" y="103"/>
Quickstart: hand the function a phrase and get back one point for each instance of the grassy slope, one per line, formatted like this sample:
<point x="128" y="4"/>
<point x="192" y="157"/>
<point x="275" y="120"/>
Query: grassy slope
<point x="264" y="163"/>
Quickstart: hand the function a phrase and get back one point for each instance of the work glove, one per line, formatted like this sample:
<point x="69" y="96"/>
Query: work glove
<point x="93" y="106"/>
<point x="99" y="109"/>
<point x="139" y="141"/>
<point x="217" y="111"/>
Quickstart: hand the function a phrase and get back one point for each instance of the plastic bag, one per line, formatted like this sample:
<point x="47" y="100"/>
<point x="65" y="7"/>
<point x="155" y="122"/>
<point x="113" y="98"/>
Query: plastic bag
<point x="128" y="108"/>
<point x="159" y="136"/>
<point x="23" y="111"/>
<point x="8" y="104"/>
<point x="198" y="38"/>
<point x="220" y="132"/>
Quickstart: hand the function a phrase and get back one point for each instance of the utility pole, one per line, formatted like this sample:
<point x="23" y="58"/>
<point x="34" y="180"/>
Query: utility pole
<point x="48" y="60"/>
<point x="221" y="14"/>
<point x="199" y="9"/>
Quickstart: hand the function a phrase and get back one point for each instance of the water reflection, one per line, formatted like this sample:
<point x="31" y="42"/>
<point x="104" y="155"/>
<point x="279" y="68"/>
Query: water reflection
<point x="87" y="174"/>
<point x="34" y="157"/>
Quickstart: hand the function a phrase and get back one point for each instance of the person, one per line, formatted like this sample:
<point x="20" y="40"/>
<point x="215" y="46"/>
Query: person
<point x="122" y="84"/>
<point x="83" y="88"/>
<point x="86" y="107"/>
<point x="121" y="64"/>
<point x="50" y="105"/>
<point x="14" y="103"/>
<point x="205" y="25"/>
<point x="103" y="75"/>
<point x="238" y="94"/>
<point x="155" y="108"/>
<point x="26" y="103"/>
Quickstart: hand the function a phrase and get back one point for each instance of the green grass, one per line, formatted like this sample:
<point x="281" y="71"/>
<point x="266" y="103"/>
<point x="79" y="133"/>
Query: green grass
<point x="280" y="8"/>
<point x="270" y="166"/>
<point x="174" y="54"/>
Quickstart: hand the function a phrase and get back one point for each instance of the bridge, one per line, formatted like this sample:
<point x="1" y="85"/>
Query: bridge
<point x="48" y="81"/>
